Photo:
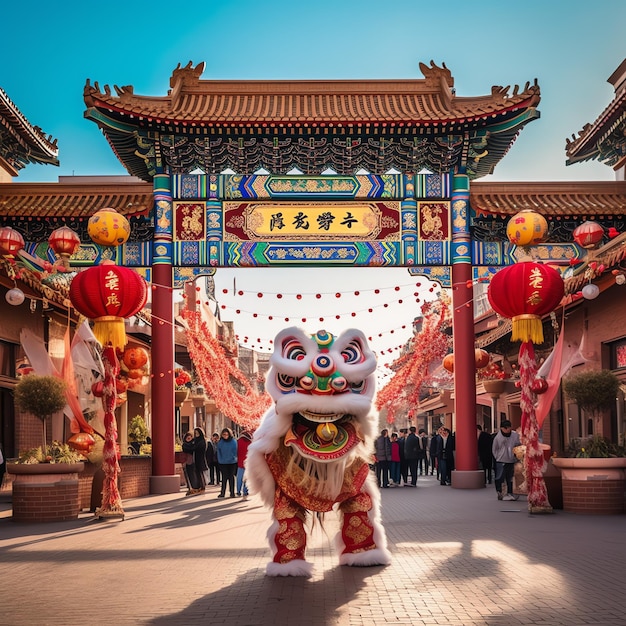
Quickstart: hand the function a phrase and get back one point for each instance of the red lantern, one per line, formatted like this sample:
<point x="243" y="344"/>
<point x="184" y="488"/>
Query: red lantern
<point x="82" y="442"/>
<point x="135" y="357"/>
<point x="481" y="358"/>
<point x="107" y="294"/>
<point x="448" y="363"/>
<point x="588" y="234"/>
<point x="11" y="242"/>
<point x="121" y="385"/>
<point x="98" y="389"/>
<point x="64" y="242"/>
<point x="524" y="292"/>
<point x="135" y="374"/>
<point x="539" y="386"/>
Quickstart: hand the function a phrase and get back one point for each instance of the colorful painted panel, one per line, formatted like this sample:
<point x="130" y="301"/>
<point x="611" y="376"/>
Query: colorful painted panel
<point x="433" y="221"/>
<point x="388" y="186"/>
<point x="189" y="222"/>
<point x="311" y="221"/>
<point x="371" y="254"/>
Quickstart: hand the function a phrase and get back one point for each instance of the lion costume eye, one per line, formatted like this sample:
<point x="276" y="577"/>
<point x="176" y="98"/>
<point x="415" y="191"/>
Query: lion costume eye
<point x="284" y="382"/>
<point x="353" y="352"/>
<point x="294" y="350"/>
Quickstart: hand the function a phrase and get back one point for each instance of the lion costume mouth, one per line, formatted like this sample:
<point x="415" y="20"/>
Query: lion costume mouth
<point x="322" y="437"/>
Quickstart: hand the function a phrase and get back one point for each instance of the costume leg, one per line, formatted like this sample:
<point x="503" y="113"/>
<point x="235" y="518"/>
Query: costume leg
<point x="288" y="538"/>
<point x="362" y="540"/>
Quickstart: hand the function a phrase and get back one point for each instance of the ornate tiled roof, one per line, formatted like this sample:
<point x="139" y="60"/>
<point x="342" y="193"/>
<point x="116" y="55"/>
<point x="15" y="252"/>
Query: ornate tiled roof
<point x="20" y="142"/>
<point x="45" y="200"/>
<point x="605" y="139"/>
<point x="582" y="199"/>
<point x="343" y="124"/>
<point x="231" y="103"/>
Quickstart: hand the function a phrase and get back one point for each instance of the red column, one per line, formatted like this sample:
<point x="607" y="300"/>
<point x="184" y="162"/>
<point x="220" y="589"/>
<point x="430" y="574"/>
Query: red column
<point x="163" y="480"/>
<point x="466" y="474"/>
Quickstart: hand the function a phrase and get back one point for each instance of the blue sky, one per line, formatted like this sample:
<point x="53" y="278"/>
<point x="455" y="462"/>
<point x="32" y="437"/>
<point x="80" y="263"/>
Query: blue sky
<point x="49" y="50"/>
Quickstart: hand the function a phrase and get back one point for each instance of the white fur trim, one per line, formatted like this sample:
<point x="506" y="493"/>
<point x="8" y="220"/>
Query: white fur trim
<point x="366" y="559"/>
<point x="293" y="568"/>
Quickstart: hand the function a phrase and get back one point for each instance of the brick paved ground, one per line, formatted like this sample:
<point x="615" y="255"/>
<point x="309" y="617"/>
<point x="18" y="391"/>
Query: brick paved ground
<point x="460" y="558"/>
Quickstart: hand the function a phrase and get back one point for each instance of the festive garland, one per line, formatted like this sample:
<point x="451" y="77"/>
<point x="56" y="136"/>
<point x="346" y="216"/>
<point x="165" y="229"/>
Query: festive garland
<point x="217" y="374"/>
<point x="428" y="346"/>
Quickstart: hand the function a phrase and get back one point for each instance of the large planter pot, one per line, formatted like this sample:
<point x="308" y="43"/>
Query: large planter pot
<point x="180" y="396"/>
<point x="45" y="492"/>
<point x="593" y="486"/>
<point x="494" y="387"/>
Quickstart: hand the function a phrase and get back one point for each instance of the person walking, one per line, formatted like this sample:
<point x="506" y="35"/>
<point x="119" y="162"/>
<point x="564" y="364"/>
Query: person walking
<point x="192" y="479"/>
<point x="445" y="456"/>
<point x="485" y="456"/>
<point x="394" y="463"/>
<point x="404" y="468"/>
<point x="215" y="476"/>
<point x="245" y="438"/>
<point x="411" y="454"/>
<point x="227" y="459"/>
<point x="199" y="455"/>
<point x="434" y="464"/>
<point x="422" y="452"/>
<point x="382" y="452"/>
<point x="505" y="459"/>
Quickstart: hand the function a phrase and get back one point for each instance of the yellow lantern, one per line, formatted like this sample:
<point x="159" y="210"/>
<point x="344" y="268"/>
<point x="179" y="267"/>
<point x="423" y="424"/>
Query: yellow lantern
<point x="527" y="228"/>
<point x="107" y="227"/>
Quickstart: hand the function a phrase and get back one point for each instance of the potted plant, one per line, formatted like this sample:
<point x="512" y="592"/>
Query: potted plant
<point x="594" y="391"/>
<point x="41" y="396"/>
<point x="137" y="432"/>
<point x="593" y="474"/>
<point x="182" y="385"/>
<point x="45" y="484"/>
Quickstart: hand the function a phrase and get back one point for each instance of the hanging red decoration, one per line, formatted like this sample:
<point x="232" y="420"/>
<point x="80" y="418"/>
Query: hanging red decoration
<point x="11" y="242"/>
<point x="427" y="347"/>
<point x="108" y="293"/>
<point x="588" y="235"/>
<point x="216" y="372"/>
<point x="525" y="292"/>
<point x="481" y="358"/>
<point x="135" y="357"/>
<point x="64" y="242"/>
<point x="82" y="442"/>
<point x="448" y="363"/>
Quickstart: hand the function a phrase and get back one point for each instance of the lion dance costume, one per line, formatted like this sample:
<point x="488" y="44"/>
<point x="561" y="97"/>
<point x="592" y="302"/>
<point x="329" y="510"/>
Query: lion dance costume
<point x="312" y="450"/>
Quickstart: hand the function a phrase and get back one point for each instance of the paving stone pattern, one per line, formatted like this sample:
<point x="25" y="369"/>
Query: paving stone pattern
<point x="461" y="558"/>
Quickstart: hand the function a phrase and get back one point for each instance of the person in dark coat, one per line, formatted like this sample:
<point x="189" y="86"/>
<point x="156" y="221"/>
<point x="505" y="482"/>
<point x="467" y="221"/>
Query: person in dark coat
<point x="445" y="455"/>
<point x="197" y="448"/>
<point x="422" y="457"/>
<point x="411" y="454"/>
<point x="404" y="467"/>
<point x="433" y="455"/>
<point x="485" y="456"/>
<point x="215" y="475"/>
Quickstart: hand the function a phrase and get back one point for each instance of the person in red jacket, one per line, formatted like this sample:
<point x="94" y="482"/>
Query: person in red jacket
<point x="242" y="452"/>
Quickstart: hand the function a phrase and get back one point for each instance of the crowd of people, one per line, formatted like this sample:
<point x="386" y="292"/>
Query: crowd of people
<point x="216" y="461"/>
<point x="399" y="458"/>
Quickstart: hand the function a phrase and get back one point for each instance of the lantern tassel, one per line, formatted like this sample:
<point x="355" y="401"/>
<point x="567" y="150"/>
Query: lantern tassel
<point x="527" y="327"/>
<point x="110" y="330"/>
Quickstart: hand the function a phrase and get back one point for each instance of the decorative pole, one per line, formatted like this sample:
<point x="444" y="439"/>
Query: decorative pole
<point x="108" y="294"/>
<point x="525" y="292"/>
<point x="466" y="474"/>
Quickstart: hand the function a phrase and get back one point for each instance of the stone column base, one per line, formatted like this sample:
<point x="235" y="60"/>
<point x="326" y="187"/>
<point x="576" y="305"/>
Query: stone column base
<point x="164" y="484"/>
<point x="470" y="479"/>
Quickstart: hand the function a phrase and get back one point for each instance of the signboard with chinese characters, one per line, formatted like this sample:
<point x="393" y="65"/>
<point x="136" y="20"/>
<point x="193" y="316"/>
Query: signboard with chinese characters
<point x="311" y="221"/>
